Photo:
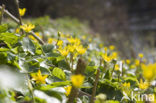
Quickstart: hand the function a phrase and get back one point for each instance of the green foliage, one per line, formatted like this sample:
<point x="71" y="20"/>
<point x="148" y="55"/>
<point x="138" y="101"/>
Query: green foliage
<point x="48" y="71"/>
<point x="3" y="28"/>
<point x="9" y="38"/>
<point x="59" y="73"/>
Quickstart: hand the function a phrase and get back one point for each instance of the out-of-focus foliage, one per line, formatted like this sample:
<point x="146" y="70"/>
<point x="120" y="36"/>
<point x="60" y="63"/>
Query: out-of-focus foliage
<point x="48" y="70"/>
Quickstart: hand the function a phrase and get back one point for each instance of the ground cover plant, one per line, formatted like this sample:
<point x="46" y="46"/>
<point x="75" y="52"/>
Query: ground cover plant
<point x="44" y="61"/>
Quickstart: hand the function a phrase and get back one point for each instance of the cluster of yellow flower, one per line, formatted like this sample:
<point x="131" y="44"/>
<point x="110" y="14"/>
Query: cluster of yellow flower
<point x="27" y="27"/>
<point x="143" y="85"/>
<point x="74" y="47"/>
<point x="127" y="85"/>
<point x="110" y="57"/>
<point x="137" y="62"/>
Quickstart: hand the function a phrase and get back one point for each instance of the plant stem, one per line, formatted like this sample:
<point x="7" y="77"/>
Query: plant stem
<point x="17" y="9"/>
<point x="113" y="69"/>
<point x="30" y="88"/>
<point x="10" y="15"/>
<point x="81" y="65"/>
<point x="2" y="13"/>
<point x="43" y="34"/>
<point x="73" y="95"/>
<point x="36" y="37"/>
<point x="95" y="86"/>
<point x="58" y="39"/>
<point x="71" y="61"/>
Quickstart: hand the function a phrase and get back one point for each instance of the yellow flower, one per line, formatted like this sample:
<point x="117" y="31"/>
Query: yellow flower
<point x="133" y="66"/>
<point x="114" y="55"/>
<point x="106" y="58"/>
<point x="39" y="78"/>
<point x="137" y="62"/>
<point x="105" y="49"/>
<point x="80" y="50"/>
<point x="128" y="61"/>
<point x="126" y="84"/>
<point x="77" y="80"/>
<point x="31" y="37"/>
<point x="83" y="37"/>
<point x="117" y="67"/>
<point x="75" y="55"/>
<point x="38" y="34"/>
<point x="27" y="27"/>
<point x="71" y="48"/>
<point x="149" y="71"/>
<point x="74" y="41"/>
<point x="50" y="40"/>
<point x="111" y="47"/>
<point x="143" y="85"/>
<point x="60" y="43"/>
<point x="17" y="30"/>
<point x="22" y="11"/>
<point x="64" y="52"/>
<point x="68" y="90"/>
<point x="140" y="55"/>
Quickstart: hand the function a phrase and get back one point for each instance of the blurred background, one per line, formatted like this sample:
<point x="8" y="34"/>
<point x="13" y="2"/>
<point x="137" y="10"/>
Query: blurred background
<point x="130" y="25"/>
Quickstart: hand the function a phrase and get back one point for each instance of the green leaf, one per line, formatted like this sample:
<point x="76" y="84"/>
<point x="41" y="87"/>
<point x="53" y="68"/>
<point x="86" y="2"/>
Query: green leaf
<point x="47" y="48"/>
<point x="59" y="73"/>
<point x="3" y="57"/>
<point x="63" y="64"/>
<point x="9" y="38"/>
<point x="108" y="74"/>
<point x="28" y="46"/>
<point x="53" y="93"/>
<point x="90" y="70"/>
<point x="4" y="49"/>
<point x="132" y="80"/>
<point x="64" y="83"/>
<point x="3" y="28"/>
<point x="111" y="89"/>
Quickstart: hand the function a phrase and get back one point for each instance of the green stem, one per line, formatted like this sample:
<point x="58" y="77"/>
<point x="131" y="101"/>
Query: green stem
<point x="71" y="61"/>
<point x="67" y="62"/>
<point x="113" y="69"/>
<point x="30" y="88"/>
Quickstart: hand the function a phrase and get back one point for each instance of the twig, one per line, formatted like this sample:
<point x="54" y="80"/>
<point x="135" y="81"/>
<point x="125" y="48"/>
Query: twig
<point x="17" y="9"/>
<point x="74" y="93"/>
<point x="81" y="65"/>
<point x="82" y="93"/>
<point x="43" y="34"/>
<point x="36" y="37"/>
<point x="2" y="13"/>
<point x="10" y="15"/>
<point x="95" y="85"/>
